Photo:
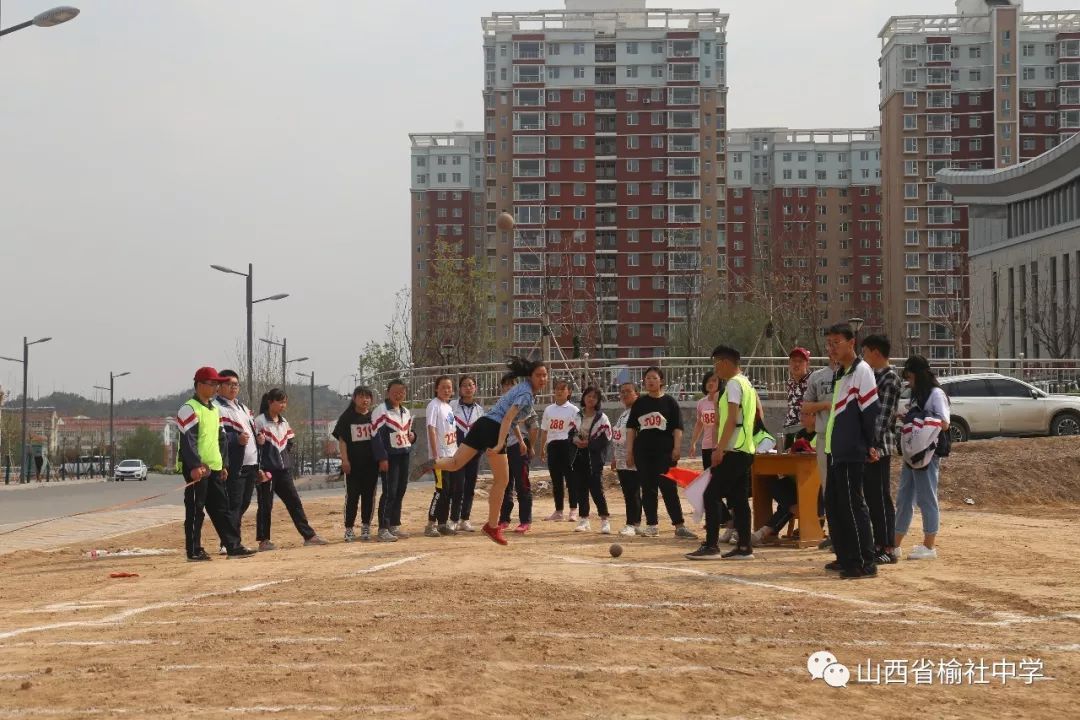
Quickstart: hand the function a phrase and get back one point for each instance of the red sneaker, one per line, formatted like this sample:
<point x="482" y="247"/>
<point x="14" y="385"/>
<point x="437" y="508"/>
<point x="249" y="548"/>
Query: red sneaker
<point x="495" y="533"/>
<point x="504" y="525"/>
<point x="522" y="528"/>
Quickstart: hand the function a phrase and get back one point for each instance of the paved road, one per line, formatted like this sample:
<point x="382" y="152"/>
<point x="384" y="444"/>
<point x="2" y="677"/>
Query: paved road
<point x="56" y="499"/>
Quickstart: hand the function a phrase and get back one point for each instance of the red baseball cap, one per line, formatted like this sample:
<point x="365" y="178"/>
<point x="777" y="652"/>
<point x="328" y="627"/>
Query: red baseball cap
<point x="208" y="374"/>
<point x="801" y="352"/>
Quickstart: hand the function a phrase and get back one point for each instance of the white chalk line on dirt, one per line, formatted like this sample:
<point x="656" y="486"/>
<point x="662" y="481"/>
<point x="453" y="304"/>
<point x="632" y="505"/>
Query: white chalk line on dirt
<point x="391" y="564"/>
<point x="1009" y="618"/>
<point x="131" y="612"/>
<point x="277" y="666"/>
<point x="90" y="643"/>
<point x="659" y="669"/>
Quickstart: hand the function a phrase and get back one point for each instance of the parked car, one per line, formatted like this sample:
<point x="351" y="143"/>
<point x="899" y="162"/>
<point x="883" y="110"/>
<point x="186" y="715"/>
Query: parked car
<point x="130" y="470"/>
<point x="989" y="405"/>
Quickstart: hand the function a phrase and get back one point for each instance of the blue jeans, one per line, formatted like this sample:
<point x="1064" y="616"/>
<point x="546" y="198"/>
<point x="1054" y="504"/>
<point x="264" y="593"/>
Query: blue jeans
<point x="918" y="487"/>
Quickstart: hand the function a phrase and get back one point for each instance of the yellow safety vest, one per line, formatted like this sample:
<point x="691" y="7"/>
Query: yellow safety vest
<point x="208" y="442"/>
<point x="744" y="431"/>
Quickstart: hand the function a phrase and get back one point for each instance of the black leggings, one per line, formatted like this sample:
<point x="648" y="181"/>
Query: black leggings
<point x="589" y="480"/>
<point x="439" y="509"/>
<point x="651" y="466"/>
<point x="518" y="461"/>
<point x="360" y="487"/>
<point x="631" y="489"/>
<point x="560" y="456"/>
<point x="281" y="484"/>
<point x="463" y="489"/>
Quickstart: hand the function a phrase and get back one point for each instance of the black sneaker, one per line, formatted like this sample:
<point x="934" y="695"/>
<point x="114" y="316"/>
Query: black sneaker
<point x="834" y="566"/>
<point x="825" y="544"/>
<point x="884" y="558"/>
<point x="241" y="552"/>
<point x="704" y="552"/>
<point x="867" y="571"/>
<point x="738" y="554"/>
<point x="200" y="556"/>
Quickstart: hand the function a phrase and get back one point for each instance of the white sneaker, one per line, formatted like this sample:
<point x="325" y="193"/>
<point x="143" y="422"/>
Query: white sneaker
<point x="725" y="537"/>
<point x="921" y="552"/>
<point x="452" y="525"/>
<point x="465" y="526"/>
<point x="650" y="531"/>
<point x="572" y="517"/>
<point x="222" y="551"/>
<point x="605" y="527"/>
<point x="583" y="525"/>
<point x="628" y="531"/>
<point x="757" y="537"/>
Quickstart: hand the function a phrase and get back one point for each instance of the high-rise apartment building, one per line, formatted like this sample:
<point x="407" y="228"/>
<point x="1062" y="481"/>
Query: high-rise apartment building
<point x="604" y="136"/>
<point x="984" y="88"/>
<point x="804" y="225"/>
<point x="447" y="188"/>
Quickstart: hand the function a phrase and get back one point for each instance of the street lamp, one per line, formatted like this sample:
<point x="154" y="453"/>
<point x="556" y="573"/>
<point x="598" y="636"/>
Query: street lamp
<point x="856" y="324"/>
<point x="446" y="350"/>
<point x="312" y="376"/>
<point x="285" y="362"/>
<point x="49" y="18"/>
<point x="250" y="335"/>
<point x="112" y="438"/>
<point x="24" y="460"/>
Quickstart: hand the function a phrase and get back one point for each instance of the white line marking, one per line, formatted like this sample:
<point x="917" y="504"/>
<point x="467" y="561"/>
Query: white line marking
<point x="89" y="643"/>
<point x="388" y="565"/>
<point x="260" y="586"/>
<point x="660" y="668"/>
<point x="300" y="640"/>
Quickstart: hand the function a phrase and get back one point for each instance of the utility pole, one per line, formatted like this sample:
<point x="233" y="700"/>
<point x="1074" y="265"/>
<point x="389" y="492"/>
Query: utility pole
<point x="112" y="437"/>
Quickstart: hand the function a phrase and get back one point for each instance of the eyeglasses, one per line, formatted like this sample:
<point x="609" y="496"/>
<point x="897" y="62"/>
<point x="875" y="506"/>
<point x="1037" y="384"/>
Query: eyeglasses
<point x="211" y="383"/>
<point x="231" y="384"/>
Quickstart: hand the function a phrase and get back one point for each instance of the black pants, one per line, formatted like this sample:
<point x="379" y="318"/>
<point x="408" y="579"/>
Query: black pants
<point x="731" y="481"/>
<point x="464" y="490"/>
<point x="631" y="490"/>
<point x="706" y="462"/>
<point x="282" y="485"/>
<point x="784" y="492"/>
<point x="240" y="487"/>
<point x="849" y="518"/>
<point x="439" y="509"/>
<point x="650" y="468"/>
<point x="207" y="497"/>
<point x="393" y="491"/>
<point x="589" y="481"/>
<point x="560" y="458"/>
<point x="520" y="484"/>
<point x="879" y="502"/>
<point x="360" y="487"/>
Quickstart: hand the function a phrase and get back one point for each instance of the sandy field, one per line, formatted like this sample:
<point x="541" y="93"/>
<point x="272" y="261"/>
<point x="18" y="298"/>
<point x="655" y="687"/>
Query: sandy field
<point x="550" y="626"/>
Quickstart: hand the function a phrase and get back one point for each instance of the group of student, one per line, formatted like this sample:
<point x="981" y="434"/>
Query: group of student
<point x="844" y="412"/>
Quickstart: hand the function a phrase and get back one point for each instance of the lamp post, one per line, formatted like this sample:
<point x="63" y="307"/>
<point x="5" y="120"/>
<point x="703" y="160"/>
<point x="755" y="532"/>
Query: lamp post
<point x="249" y="307"/>
<point x="49" y="18"/>
<point x="312" y="376"/>
<point x="285" y="362"/>
<point x="112" y="437"/>
<point x="24" y="460"/>
<point x="856" y="324"/>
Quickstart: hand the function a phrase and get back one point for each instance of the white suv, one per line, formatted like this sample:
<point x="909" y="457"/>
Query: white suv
<point x="130" y="470"/>
<point x="989" y="405"/>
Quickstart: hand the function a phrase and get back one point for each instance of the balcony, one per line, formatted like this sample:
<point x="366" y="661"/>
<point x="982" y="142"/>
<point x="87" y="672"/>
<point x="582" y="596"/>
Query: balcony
<point x="604" y="100"/>
<point x="606" y="241"/>
<point x="683" y="49"/>
<point x="683" y="120"/>
<point x="605" y="266"/>
<point x="608" y="287"/>
<point x="529" y="239"/>
<point x="527" y="51"/>
<point x="684" y="96"/>
<point x="605" y="53"/>
<point x="683" y="72"/>
<point x="606" y="218"/>
<point x="684" y="238"/>
<point x="680" y="167"/>
<point x="684" y="261"/>
<point x="684" y="191"/>
<point x="605" y="76"/>
<point x="684" y="143"/>
<point x="605" y="148"/>
<point x="605" y="124"/>
<point x="605" y="170"/>
<point x="606" y="195"/>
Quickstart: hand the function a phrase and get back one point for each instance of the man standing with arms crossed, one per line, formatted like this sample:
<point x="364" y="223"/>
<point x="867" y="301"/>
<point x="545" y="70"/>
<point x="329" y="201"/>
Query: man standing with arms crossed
<point x="242" y="455"/>
<point x="849" y="444"/>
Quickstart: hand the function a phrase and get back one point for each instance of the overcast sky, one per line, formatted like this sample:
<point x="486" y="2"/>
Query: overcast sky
<point x="145" y="140"/>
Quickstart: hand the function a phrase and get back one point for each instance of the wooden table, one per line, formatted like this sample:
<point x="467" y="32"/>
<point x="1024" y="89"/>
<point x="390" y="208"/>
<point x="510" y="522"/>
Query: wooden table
<point x="803" y="466"/>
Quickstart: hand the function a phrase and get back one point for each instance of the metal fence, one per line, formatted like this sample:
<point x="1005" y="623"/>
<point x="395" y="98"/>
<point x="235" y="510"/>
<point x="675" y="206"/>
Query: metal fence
<point x="683" y="376"/>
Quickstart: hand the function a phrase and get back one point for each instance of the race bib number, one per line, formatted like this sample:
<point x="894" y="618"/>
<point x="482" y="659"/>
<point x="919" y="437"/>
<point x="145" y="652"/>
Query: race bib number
<point x="450" y="439"/>
<point x="400" y="440"/>
<point x="616" y="436"/>
<point x="557" y="424"/>
<point x="708" y="418"/>
<point x="653" y="421"/>
<point x="361" y="433"/>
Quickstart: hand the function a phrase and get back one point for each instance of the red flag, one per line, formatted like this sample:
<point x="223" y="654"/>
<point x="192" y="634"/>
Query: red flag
<point x="682" y="476"/>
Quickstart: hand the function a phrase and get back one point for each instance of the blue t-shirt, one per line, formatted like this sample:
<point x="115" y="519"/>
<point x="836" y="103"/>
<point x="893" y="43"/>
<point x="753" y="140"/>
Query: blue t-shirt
<point x="520" y="396"/>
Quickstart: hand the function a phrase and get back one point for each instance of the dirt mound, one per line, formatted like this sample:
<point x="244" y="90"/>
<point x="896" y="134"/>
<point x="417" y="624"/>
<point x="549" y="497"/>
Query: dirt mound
<point x="1020" y="471"/>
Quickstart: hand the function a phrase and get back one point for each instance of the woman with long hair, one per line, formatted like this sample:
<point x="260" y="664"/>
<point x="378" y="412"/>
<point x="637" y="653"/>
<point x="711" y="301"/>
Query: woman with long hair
<point x="591" y="440"/>
<point x="275" y="439"/>
<point x="353" y="432"/>
<point x="705" y="427"/>
<point x="489" y="434"/>
<point x="919" y="486"/>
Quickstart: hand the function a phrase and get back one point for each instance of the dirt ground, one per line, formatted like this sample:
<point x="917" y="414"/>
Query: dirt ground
<point x="550" y="626"/>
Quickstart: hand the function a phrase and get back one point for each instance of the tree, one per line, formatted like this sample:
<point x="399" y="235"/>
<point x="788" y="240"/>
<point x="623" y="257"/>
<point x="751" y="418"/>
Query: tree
<point x="452" y="310"/>
<point x="143" y="444"/>
<point x="1055" y="322"/>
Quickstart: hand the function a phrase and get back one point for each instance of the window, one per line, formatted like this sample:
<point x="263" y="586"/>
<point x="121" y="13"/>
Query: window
<point x="1027" y="50"/>
<point x="631" y="71"/>
<point x="911" y="214"/>
<point x="658" y="71"/>
<point x="911" y="145"/>
<point x="1050" y="73"/>
<point x="975" y="144"/>
<point x="912" y="307"/>
<point x="579" y="119"/>
<point x="579" y="166"/>
<point x="631" y="48"/>
<point x="632" y="212"/>
<point x="1029" y="73"/>
<point x="579" y="48"/>
<point x="911" y="122"/>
